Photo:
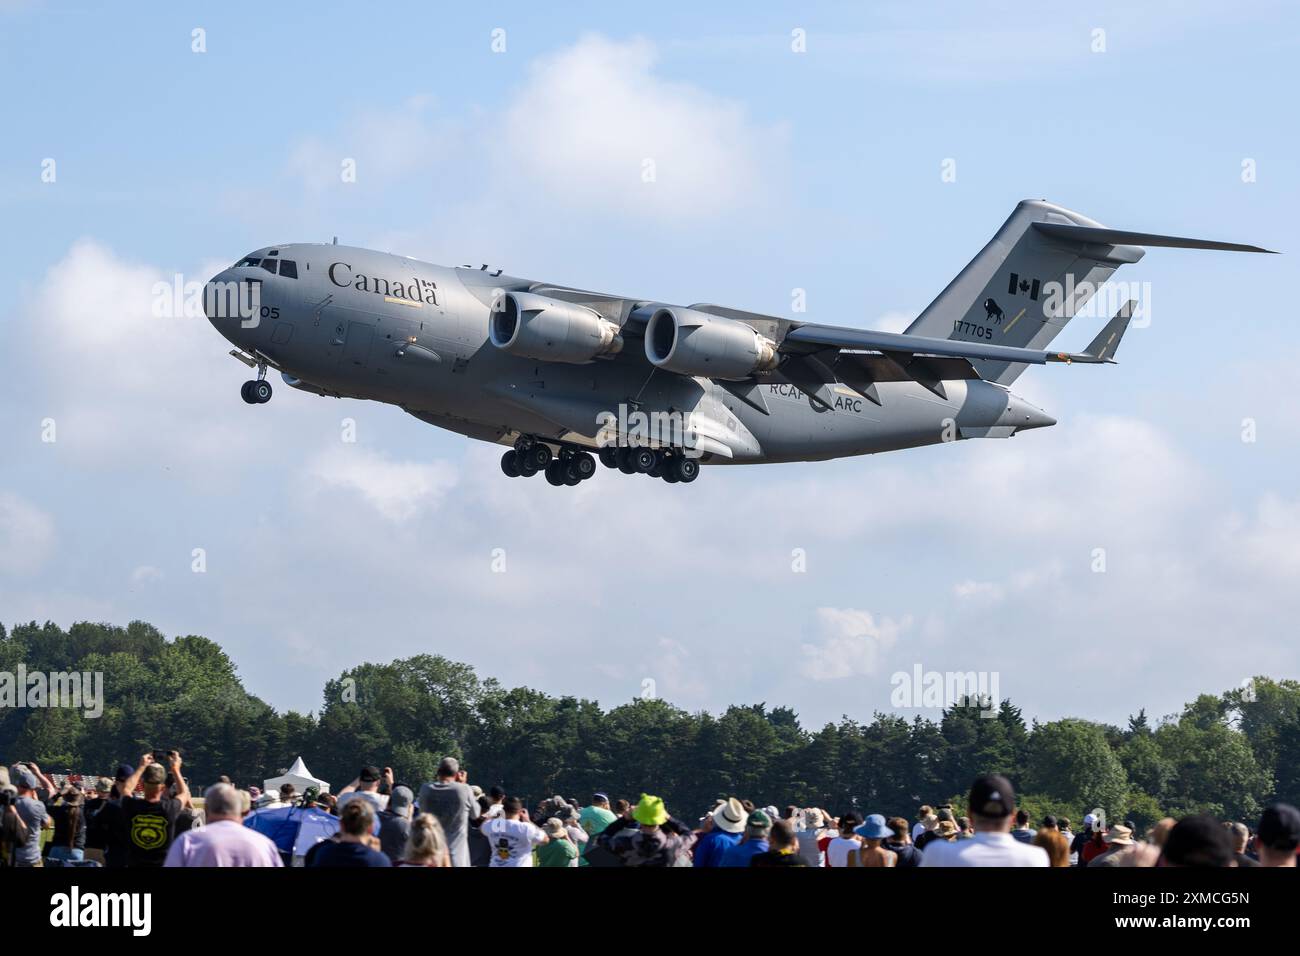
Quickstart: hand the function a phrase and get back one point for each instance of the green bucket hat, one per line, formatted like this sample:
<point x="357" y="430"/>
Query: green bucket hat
<point x="650" y="811"/>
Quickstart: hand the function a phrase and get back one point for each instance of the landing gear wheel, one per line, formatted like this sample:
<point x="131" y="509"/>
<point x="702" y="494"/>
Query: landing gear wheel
<point x="642" y="459"/>
<point x="510" y="464"/>
<point x="525" y="465"/>
<point x="555" y="474"/>
<point x="260" y="391"/>
<point x="245" y="392"/>
<point x="585" y="465"/>
<point x="609" y="457"/>
<point x="670" y="475"/>
<point x="625" y="461"/>
<point x="540" y="456"/>
<point x="570" y="472"/>
<point x="686" y="469"/>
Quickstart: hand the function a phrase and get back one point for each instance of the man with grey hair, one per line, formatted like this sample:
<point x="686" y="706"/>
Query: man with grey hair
<point x="1240" y="834"/>
<point x="450" y="799"/>
<point x="223" y="840"/>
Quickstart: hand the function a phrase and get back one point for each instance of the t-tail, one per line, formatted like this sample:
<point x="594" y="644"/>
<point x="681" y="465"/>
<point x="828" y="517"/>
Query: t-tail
<point x="1039" y="270"/>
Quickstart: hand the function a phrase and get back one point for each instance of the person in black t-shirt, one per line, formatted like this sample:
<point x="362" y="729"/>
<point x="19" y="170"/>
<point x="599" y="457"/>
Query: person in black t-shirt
<point x="901" y="843"/>
<point x="150" y="821"/>
<point x="783" y="848"/>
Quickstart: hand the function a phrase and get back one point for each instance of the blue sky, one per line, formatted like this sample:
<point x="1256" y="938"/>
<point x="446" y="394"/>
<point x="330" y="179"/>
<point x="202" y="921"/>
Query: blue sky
<point x="777" y="170"/>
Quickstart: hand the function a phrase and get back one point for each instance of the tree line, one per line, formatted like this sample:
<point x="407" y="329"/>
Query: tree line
<point x="1227" y="754"/>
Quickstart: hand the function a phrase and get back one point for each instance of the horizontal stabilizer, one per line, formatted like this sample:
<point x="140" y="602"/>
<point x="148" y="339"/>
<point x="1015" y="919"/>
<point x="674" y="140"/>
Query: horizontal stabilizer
<point x="1122" y="237"/>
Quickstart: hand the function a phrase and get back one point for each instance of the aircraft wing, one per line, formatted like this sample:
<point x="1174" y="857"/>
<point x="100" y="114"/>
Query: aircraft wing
<point x="838" y="337"/>
<point x="816" y="355"/>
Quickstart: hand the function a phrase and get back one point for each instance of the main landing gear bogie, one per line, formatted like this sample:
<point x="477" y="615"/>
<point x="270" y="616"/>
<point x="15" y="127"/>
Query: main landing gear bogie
<point x="528" y="457"/>
<point x="572" y="466"/>
<point x="671" y="465"/>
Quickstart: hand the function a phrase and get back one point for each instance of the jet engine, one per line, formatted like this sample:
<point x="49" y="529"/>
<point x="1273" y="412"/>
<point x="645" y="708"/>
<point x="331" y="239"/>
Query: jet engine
<point x="551" y="330"/>
<point x="697" y="343"/>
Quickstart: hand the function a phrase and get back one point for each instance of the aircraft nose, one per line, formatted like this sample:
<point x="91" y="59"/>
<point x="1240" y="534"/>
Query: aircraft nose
<point x="217" y="297"/>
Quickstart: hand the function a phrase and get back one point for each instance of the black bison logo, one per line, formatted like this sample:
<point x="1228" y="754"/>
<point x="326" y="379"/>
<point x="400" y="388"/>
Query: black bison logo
<point x="992" y="312"/>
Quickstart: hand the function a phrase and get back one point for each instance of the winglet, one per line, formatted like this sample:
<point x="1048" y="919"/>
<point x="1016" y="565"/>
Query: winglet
<point x="1106" y="343"/>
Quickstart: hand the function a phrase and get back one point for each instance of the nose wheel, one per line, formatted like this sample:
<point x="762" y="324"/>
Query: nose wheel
<point x="256" y="392"/>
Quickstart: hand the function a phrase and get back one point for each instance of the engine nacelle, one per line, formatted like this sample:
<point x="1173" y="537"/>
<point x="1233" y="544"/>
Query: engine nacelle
<point x="697" y="343"/>
<point x="551" y="330"/>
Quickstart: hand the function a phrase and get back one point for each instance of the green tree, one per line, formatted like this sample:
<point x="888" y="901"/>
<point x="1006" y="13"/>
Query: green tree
<point x="1071" y="762"/>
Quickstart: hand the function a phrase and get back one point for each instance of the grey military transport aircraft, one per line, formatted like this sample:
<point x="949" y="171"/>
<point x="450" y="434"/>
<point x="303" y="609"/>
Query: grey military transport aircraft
<point x="654" y="388"/>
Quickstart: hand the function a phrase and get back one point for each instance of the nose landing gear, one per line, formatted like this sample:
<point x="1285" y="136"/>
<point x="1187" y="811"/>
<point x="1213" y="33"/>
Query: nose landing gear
<point x="257" y="391"/>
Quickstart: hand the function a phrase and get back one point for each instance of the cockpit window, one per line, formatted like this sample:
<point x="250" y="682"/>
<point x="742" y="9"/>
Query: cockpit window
<point x="288" y="268"/>
<point x="269" y="265"/>
<point x="250" y="261"/>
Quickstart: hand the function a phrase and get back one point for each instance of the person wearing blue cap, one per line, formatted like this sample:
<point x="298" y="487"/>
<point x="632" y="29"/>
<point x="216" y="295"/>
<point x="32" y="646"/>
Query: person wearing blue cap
<point x="873" y="831"/>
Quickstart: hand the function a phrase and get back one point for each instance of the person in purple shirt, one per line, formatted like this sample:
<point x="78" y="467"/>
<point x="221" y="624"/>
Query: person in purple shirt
<point x="223" y="840"/>
<point x="757" y="827"/>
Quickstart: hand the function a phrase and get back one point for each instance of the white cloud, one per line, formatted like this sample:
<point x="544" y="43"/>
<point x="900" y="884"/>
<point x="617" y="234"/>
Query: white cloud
<point x="124" y="385"/>
<point x="26" y="535"/>
<point x="854" y="643"/>
<point x="593" y="114"/>
<point x="146" y="573"/>
<point x="1020" y="582"/>
<point x="1270" y="545"/>
<point x="894" y="321"/>
<point x="985" y="591"/>
<point x="385" y="144"/>
<point x="398" y="490"/>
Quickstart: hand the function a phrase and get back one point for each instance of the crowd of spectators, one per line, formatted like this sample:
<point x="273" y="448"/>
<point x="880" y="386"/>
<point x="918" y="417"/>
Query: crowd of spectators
<point x="145" y="816"/>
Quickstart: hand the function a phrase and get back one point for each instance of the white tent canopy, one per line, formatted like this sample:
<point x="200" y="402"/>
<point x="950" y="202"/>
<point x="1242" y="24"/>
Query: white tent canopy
<point x="299" y="776"/>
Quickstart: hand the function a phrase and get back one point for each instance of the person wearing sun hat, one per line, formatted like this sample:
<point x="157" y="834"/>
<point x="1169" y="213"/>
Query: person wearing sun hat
<point x="560" y="850"/>
<point x="657" y="840"/>
<point x="1121" y="844"/>
<point x="650" y="811"/>
<point x="757" y="828"/>
<point x="874" y="830"/>
<point x="727" y="825"/>
<point x="945" y="830"/>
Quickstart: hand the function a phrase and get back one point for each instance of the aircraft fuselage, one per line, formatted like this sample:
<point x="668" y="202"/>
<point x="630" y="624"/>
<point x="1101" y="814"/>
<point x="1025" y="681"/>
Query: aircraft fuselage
<point x="355" y="323"/>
